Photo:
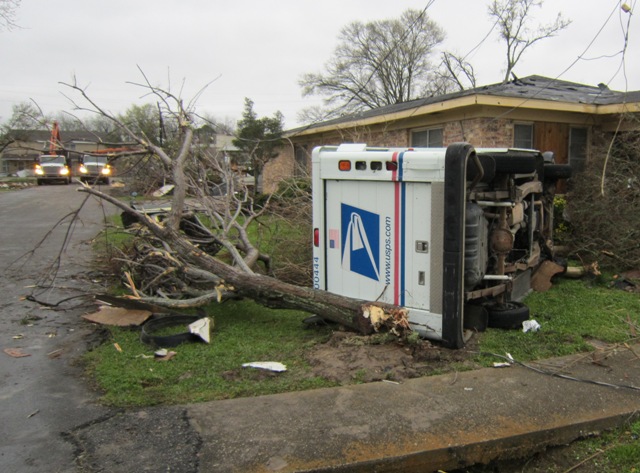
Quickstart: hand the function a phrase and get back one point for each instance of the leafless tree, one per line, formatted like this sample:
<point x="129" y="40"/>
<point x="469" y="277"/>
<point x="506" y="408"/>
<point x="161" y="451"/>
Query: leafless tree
<point x="455" y="74"/>
<point x="207" y="262"/>
<point x="378" y="63"/>
<point x="515" y="20"/>
<point x="8" y="10"/>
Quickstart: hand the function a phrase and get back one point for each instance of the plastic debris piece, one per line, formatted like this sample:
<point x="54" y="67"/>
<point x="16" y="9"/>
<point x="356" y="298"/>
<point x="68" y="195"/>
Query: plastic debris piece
<point x="501" y="365"/>
<point x="510" y="358"/>
<point x="266" y="365"/>
<point x="117" y="347"/>
<point x="201" y="328"/>
<point x="164" y="190"/>
<point x="16" y="352"/>
<point x="530" y="326"/>
<point x="164" y="354"/>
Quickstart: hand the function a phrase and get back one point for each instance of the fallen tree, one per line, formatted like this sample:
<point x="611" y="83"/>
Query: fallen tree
<point x="232" y="268"/>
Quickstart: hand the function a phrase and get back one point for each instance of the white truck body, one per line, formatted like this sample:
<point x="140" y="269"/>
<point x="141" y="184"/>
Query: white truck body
<point x="398" y="225"/>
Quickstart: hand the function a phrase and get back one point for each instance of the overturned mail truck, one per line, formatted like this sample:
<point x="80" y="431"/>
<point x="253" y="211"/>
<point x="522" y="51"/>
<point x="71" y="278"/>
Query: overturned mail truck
<point x="454" y="235"/>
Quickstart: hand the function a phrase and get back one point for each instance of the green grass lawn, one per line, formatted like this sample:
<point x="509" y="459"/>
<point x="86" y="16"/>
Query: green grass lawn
<point x="571" y="314"/>
<point x="244" y="332"/>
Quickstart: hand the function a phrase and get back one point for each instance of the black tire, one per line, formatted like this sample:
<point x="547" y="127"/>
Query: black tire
<point x="488" y="168"/>
<point x="39" y="181"/>
<point x="508" y="315"/>
<point x="515" y="164"/>
<point x="553" y="172"/>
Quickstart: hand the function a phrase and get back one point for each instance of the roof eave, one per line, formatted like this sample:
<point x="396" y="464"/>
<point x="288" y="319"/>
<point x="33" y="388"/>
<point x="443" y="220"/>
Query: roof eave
<point x="479" y="99"/>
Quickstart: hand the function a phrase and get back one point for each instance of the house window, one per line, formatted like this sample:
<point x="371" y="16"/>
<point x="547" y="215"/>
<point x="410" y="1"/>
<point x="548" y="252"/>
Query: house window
<point x="523" y="136"/>
<point x="431" y="138"/>
<point x="577" y="148"/>
<point x="301" y="159"/>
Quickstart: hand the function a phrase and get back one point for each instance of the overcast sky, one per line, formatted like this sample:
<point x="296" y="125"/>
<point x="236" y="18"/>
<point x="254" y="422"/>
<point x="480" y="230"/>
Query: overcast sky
<point x="260" y="48"/>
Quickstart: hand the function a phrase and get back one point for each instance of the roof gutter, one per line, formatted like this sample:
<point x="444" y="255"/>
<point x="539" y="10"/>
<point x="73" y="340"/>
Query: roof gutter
<point x="474" y="100"/>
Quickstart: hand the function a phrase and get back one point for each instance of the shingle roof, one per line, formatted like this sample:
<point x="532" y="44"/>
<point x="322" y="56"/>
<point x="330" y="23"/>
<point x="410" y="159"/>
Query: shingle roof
<point x="530" y="87"/>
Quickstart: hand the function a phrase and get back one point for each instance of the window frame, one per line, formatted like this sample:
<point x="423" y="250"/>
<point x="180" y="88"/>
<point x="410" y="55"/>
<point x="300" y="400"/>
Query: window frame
<point x="577" y="163"/>
<point x="428" y="130"/>
<point x="531" y="135"/>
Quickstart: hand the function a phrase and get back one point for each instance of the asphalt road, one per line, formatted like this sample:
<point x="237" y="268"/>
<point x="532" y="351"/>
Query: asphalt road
<point x="43" y="395"/>
<point x="51" y="420"/>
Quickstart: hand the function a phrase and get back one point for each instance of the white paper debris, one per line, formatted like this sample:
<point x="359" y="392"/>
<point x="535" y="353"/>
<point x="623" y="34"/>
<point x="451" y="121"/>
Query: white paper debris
<point x="501" y="365"/>
<point x="266" y="365"/>
<point x="530" y="326"/>
<point x="202" y="328"/>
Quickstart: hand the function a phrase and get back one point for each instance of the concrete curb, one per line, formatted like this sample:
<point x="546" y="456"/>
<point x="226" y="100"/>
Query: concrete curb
<point x="425" y="424"/>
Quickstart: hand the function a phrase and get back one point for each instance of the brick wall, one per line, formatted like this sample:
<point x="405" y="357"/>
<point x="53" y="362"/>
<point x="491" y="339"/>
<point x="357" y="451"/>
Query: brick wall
<point x="480" y="132"/>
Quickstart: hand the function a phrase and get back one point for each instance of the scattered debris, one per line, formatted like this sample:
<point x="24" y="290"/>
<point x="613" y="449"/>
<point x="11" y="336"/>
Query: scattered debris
<point x="501" y="365"/>
<point x="202" y="328"/>
<point x="541" y="280"/>
<point x="199" y="332"/>
<point x="164" y="355"/>
<point x="266" y="365"/>
<point x="33" y="413"/>
<point x="530" y="326"/>
<point x="16" y="352"/>
<point x="574" y="272"/>
<point x="620" y="281"/>
<point x="118" y="316"/>
<point x="55" y="353"/>
<point x="18" y="337"/>
<point x="117" y="347"/>
<point x="145" y="357"/>
<point x="388" y="381"/>
<point x="164" y="190"/>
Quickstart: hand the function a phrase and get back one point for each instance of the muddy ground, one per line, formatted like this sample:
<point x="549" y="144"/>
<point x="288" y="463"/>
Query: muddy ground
<point x="347" y="357"/>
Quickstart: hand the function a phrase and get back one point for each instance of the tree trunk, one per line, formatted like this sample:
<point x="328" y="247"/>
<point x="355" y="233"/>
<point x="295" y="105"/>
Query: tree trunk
<point x="365" y="317"/>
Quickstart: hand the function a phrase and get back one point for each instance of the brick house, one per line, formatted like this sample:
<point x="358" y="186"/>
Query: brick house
<point x="534" y="112"/>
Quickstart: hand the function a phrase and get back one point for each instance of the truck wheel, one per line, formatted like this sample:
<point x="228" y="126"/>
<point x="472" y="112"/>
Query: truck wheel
<point x="553" y="172"/>
<point x="509" y="315"/>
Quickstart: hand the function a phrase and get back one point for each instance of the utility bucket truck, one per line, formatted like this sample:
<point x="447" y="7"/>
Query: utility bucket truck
<point x="454" y="235"/>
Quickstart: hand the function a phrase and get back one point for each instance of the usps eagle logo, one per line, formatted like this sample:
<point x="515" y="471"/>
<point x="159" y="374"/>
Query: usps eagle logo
<point x="360" y="241"/>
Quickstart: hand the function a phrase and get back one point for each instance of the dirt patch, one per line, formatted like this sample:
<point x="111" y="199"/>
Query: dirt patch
<point x="347" y="358"/>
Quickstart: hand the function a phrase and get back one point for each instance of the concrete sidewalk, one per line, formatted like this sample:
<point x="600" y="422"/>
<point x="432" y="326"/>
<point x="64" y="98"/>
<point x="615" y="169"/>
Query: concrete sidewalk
<point x="425" y="424"/>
